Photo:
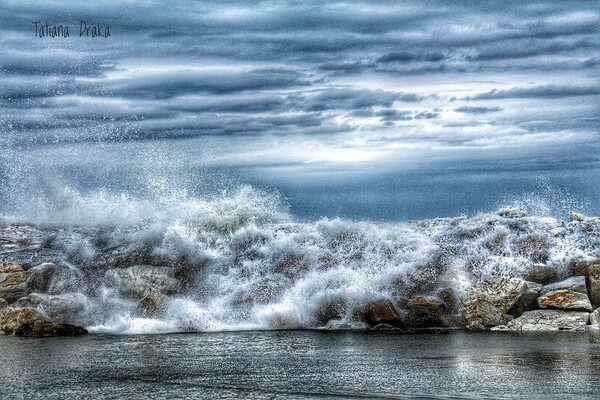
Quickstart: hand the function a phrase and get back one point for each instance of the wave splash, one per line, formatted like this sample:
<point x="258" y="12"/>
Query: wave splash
<point x="240" y="262"/>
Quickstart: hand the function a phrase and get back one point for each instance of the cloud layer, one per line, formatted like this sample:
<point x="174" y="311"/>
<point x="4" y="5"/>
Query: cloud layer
<point x="368" y="78"/>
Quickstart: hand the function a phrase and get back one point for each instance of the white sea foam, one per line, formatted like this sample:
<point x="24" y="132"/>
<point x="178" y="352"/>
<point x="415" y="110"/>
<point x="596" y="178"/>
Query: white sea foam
<point x="244" y="263"/>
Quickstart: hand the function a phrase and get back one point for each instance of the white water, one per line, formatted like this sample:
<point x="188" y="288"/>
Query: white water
<point x="246" y="264"/>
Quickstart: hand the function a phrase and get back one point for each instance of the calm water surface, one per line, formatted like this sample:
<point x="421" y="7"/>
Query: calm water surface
<point x="302" y="365"/>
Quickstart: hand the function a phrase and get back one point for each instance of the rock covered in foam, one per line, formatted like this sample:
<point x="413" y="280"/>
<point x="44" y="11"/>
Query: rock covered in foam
<point x="153" y="305"/>
<point x="62" y="307"/>
<point x="382" y="312"/>
<point x="547" y="320"/>
<point x="29" y="322"/>
<point x="576" y="284"/>
<point x="485" y="304"/>
<point x="16" y="282"/>
<point x="565" y="300"/>
<point x="142" y="280"/>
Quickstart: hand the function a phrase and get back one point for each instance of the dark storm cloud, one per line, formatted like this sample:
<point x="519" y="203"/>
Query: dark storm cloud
<point x="477" y="110"/>
<point x="164" y="86"/>
<point x="299" y="68"/>
<point x="550" y="91"/>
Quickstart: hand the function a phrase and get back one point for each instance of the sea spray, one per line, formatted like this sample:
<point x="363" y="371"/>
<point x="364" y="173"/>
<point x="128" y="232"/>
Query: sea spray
<point x="244" y="263"/>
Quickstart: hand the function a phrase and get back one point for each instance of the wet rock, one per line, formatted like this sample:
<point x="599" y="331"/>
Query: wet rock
<point x="543" y="274"/>
<point x="547" y="320"/>
<point x="424" y="312"/>
<point x="485" y="304"/>
<point x="456" y="321"/>
<point x="334" y="309"/>
<point x="576" y="284"/>
<point x="382" y="312"/>
<point x="337" y="325"/>
<point x="3" y="303"/>
<point x="565" y="300"/>
<point x="528" y="300"/>
<point x="20" y="283"/>
<point x="142" y="280"/>
<point x="448" y="296"/>
<point x="29" y="322"/>
<point x="153" y="306"/>
<point x="384" y="327"/>
<point x="45" y="329"/>
<point x="594" y="283"/>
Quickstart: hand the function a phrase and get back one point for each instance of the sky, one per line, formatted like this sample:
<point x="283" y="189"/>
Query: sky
<point x="304" y="89"/>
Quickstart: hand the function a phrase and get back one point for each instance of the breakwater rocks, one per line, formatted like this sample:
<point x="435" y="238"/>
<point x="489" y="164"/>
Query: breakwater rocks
<point x="253" y="268"/>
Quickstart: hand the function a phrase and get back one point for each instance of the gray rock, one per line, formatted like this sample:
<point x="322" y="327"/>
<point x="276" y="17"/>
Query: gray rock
<point x="595" y="318"/>
<point x="3" y="303"/>
<point x="576" y="284"/>
<point x="594" y="283"/>
<point x="456" y="321"/>
<point x="547" y="320"/>
<point x="543" y="274"/>
<point x="565" y="300"/>
<point x="485" y="304"/>
<point x="141" y="280"/>
<point x="425" y="312"/>
<point x="528" y="300"/>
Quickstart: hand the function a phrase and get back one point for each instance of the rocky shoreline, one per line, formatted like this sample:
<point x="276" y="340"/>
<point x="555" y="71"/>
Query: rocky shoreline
<point x="43" y="293"/>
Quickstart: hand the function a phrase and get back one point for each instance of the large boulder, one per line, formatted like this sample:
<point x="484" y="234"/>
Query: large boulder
<point x="382" y="312"/>
<point x="547" y="320"/>
<point x="153" y="306"/>
<point x="425" y="312"/>
<point x="29" y="322"/>
<point x="543" y="274"/>
<point x="485" y="304"/>
<point x="594" y="283"/>
<point x="141" y="280"/>
<point x="15" y="282"/>
<point x="528" y="300"/>
<point x="576" y="284"/>
<point x="565" y="300"/>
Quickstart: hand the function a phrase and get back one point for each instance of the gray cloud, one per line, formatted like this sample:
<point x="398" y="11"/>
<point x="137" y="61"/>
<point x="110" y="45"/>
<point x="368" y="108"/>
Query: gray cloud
<point x="301" y="68"/>
<point x="541" y="91"/>
<point x="477" y="110"/>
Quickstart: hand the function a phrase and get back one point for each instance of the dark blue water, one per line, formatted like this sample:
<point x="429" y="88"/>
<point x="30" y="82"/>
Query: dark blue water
<point x="302" y="365"/>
